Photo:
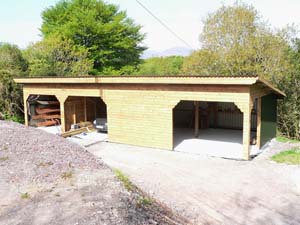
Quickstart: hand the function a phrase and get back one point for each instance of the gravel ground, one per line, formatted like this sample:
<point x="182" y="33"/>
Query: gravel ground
<point x="45" y="179"/>
<point x="210" y="190"/>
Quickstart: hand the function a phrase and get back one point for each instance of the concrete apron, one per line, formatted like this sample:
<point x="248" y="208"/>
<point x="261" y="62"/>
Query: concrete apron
<point x="224" y="143"/>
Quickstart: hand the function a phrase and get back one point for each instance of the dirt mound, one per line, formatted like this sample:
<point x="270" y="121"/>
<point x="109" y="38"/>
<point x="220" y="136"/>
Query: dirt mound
<point x="45" y="179"/>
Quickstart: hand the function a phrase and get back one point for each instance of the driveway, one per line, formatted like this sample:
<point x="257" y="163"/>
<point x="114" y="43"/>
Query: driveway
<point x="210" y="190"/>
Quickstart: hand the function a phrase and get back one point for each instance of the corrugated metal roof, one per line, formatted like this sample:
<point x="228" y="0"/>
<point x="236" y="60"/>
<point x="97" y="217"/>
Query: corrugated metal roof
<point x="184" y="79"/>
<point x="142" y="76"/>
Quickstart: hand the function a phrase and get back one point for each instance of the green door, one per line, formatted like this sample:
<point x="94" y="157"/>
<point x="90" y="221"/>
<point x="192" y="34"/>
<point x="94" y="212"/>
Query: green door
<point x="268" y="118"/>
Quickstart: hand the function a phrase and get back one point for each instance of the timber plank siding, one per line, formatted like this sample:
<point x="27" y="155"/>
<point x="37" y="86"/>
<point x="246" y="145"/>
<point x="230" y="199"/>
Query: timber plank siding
<point x="140" y="109"/>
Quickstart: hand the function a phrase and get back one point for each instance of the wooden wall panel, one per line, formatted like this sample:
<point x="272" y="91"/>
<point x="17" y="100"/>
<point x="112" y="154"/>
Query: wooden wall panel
<point x="144" y="115"/>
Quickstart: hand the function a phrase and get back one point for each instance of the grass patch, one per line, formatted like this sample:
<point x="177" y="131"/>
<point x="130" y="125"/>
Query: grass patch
<point x="4" y="158"/>
<point x="285" y="139"/>
<point x="25" y="195"/>
<point x="144" y="201"/>
<point x="291" y="156"/>
<point x="124" y="179"/>
<point x="67" y="175"/>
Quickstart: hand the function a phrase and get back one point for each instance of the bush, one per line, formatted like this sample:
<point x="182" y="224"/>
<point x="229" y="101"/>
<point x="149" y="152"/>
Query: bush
<point x="12" y="64"/>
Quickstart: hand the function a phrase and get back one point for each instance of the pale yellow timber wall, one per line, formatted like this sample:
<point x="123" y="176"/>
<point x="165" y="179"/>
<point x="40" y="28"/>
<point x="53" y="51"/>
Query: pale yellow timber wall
<point x="143" y="115"/>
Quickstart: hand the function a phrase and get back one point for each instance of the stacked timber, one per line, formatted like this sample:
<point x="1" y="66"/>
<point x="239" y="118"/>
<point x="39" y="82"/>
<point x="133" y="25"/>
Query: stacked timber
<point x="47" y="113"/>
<point x="82" y="128"/>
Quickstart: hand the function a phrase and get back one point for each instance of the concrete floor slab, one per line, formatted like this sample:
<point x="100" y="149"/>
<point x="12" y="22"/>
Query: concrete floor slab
<point x="88" y="138"/>
<point x="224" y="143"/>
<point x="210" y="190"/>
<point x="52" y="129"/>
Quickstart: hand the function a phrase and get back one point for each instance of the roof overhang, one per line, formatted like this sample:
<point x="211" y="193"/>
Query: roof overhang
<point x="204" y="80"/>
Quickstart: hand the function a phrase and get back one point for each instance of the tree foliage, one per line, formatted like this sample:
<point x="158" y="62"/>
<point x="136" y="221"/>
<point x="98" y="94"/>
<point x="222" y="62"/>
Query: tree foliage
<point x="235" y="41"/>
<point x="112" y="39"/>
<point x="161" y="66"/>
<point x="57" y="56"/>
<point x="289" y="107"/>
<point x="202" y="62"/>
<point x="11" y="59"/>
<point x="12" y="64"/>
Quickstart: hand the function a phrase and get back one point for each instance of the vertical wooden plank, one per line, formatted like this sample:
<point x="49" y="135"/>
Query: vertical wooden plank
<point x="258" y="127"/>
<point x="246" y="131"/>
<point x="196" y="119"/>
<point x="25" y="97"/>
<point x="85" y="109"/>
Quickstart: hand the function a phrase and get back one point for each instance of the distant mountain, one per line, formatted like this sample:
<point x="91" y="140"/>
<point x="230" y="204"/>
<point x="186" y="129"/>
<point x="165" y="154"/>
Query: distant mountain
<point x="180" y="51"/>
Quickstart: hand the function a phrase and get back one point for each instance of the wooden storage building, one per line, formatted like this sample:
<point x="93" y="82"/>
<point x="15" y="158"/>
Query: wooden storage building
<point x="141" y="110"/>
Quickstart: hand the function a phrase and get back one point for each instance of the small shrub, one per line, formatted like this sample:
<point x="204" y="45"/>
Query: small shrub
<point x="25" y="195"/>
<point x="67" y="175"/>
<point x="15" y="118"/>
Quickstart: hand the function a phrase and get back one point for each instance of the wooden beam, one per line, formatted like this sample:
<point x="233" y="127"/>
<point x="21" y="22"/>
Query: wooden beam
<point x="46" y="116"/>
<point x="78" y="131"/>
<point x="258" y="128"/>
<point x="196" y="119"/>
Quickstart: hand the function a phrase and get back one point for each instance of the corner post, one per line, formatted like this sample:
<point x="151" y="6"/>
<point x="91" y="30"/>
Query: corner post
<point x="246" y="132"/>
<point x="196" y="119"/>
<point x="246" y="108"/>
<point x="25" y="98"/>
<point x="258" y="128"/>
<point x="62" y="99"/>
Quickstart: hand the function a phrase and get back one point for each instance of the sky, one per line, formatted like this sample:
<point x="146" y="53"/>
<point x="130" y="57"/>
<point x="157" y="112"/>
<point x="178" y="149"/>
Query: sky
<point x="20" y="20"/>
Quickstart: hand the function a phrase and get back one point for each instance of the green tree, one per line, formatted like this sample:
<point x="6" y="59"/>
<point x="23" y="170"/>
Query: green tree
<point x="161" y="66"/>
<point x="235" y="41"/>
<point x="12" y="64"/>
<point x="11" y="59"/>
<point x="112" y="39"/>
<point x="56" y="56"/>
<point x="202" y="62"/>
<point x="289" y="107"/>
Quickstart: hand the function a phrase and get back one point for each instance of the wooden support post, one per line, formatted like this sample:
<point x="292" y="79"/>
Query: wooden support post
<point x="85" y="109"/>
<point x="62" y="99"/>
<point x="196" y="119"/>
<point x="246" y="131"/>
<point x="95" y="109"/>
<point x="25" y="97"/>
<point x="258" y="127"/>
<point x="74" y="113"/>
<point x="215" y="114"/>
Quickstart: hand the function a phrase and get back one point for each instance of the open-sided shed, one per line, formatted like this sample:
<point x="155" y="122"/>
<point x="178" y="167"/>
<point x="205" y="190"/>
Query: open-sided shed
<point x="142" y="110"/>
